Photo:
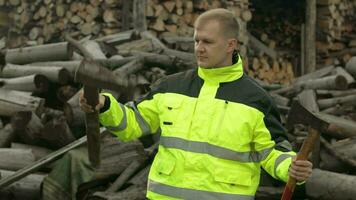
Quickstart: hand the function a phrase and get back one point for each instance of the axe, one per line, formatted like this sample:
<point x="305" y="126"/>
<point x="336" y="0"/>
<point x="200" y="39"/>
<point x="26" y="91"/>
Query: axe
<point x="300" y="115"/>
<point x="94" y="76"/>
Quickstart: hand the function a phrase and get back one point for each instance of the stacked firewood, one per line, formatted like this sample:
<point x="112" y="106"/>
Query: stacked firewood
<point x="176" y="17"/>
<point x="336" y="36"/>
<point x="45" y="21"/>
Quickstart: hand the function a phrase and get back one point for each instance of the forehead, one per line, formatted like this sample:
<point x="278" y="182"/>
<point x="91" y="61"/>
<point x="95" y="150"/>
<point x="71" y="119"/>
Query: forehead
<point x="210" y="29"/>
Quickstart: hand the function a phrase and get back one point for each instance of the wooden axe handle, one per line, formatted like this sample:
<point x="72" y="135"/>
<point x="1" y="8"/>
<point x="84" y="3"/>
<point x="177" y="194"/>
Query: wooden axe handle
<point x="307" y="147"/>
<point x="91" y="94"/>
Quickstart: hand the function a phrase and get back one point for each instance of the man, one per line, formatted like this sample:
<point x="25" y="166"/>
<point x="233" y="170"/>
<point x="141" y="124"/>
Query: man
<point x="218" y="127"/>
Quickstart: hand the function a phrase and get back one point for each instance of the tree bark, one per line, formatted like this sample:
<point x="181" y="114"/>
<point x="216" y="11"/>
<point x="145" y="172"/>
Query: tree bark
<point x="38" y="152"/>
<point x="28" y="188"/>
<point x="41" y="53"/>
<point x="6" y="136"/>
<point x="31" y="83"/>
<point x="330" y="186"/>
<point x="55" y="74"/>
<point x="15" y="158"/>
<point x="339" y="128"/>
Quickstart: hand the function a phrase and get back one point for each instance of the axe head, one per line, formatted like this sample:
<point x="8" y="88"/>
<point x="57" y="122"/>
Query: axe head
<point x="298" y="114"/>
<point x="92" y="74"/>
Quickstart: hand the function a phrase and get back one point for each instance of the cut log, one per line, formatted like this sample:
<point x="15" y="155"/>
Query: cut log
<point x="27" y="127"/>
<point x="351" y="66"/>
<point x="15" y="158"/>
<point x="339" y="128"/>
<point x="31" y="83"/>
<point x="28" y="188"/>
<point x="345" y="100"/>
<point x="56" y="133"/>
<point x="55" y="74"/>
<point x="259" y="46"/>
<point x="319" y="185"/>
<point x="38" y="152"/>
<point x="70" y="66"/>
<point x="74" y="114"/>
<point x="12" y="102"/>
<point x="328" y="82"/>
<point x="95" y="49"/>
<point x="347" y="158"/>
<point x="48" y="52"/>
<point x="341" y="71"/>
<point x="316" y="74"/>
<point x="6" y="136"/>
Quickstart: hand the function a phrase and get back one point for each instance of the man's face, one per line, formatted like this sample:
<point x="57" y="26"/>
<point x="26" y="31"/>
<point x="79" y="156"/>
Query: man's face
<point x="211" y="46"/>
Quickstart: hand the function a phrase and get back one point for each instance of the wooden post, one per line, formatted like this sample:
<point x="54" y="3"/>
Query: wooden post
<point x="302" y="50"/>
<point x="139" y="16"/>
<point x="125" y="16"/>
<point x="310" y="51"/>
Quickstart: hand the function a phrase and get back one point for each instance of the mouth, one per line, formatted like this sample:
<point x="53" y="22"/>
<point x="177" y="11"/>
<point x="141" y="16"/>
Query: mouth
<point x="201" y="57"/>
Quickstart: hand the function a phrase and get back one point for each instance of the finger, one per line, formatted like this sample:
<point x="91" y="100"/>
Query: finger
<point x="301" y="168"/>
<point x="303" y="163"/>
<point x="299" y="175"/>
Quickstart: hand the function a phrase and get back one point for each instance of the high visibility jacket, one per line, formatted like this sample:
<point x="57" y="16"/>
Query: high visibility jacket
<point x="218" y="127"/>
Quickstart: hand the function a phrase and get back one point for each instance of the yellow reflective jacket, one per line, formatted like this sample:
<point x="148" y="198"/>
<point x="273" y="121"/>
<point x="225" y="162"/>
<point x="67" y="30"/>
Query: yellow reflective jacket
<point x="218" y="127"/>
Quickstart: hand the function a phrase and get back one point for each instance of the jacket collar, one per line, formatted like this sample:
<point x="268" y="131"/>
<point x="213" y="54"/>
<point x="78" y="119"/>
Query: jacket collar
<point x="222" y="74"/>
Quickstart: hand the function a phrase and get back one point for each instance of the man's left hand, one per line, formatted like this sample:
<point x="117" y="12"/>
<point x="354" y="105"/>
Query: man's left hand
<point x="300" y="169"/>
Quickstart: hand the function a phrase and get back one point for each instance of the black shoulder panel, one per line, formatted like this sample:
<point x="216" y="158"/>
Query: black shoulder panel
<point x="186" y="83"/>
<point x="247" y="91"/>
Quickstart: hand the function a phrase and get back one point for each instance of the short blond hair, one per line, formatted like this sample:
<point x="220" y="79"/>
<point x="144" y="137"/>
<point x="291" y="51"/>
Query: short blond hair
<point x="226" y="18"/>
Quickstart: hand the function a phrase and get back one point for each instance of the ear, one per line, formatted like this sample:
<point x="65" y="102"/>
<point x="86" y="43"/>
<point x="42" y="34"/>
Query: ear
<point x="231" y="45"/>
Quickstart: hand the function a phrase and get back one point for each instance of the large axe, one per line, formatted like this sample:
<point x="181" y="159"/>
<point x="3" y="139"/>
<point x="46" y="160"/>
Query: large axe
<point x="94" y="76"/>
<point x="300" y="115"/>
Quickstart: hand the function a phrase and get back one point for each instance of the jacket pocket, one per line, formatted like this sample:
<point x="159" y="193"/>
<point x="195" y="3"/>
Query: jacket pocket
<point x="172" y="106"/>
<point x="232" y="176"/>
<point x="165" y="166"/>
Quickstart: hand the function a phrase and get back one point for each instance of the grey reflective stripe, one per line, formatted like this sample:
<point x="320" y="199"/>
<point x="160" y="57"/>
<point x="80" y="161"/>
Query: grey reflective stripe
<point x="284" y="144"/>
<point x="214" y="150"/>
<point x="278" y="161"/>
<point x="123" y="122"/>
<point x="145" y="128"/>
<point x="191" y="194"/>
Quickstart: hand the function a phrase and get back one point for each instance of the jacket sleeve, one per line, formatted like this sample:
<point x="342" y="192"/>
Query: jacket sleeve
<point x="134" y="119"/>
<point x="269" y="136"/>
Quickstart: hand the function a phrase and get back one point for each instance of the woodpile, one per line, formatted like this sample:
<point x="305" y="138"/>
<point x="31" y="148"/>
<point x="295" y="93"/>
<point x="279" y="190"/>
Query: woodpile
<point x="336" y="35"/>
<point x="39" y="112"/>
<point x="40" y="119"/>
<point x="329" y="93"/>
<point x="44" y="21"/>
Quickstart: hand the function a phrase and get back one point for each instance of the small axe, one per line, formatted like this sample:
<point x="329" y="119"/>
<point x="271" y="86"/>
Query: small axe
<point x="300" y="115"/>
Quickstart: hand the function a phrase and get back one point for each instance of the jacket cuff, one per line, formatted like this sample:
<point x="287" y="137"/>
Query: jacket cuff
<point x="106" y="104"/>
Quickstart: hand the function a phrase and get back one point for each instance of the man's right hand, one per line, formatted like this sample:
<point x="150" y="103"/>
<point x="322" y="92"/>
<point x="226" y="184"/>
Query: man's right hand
<point x="86" y="107"/>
